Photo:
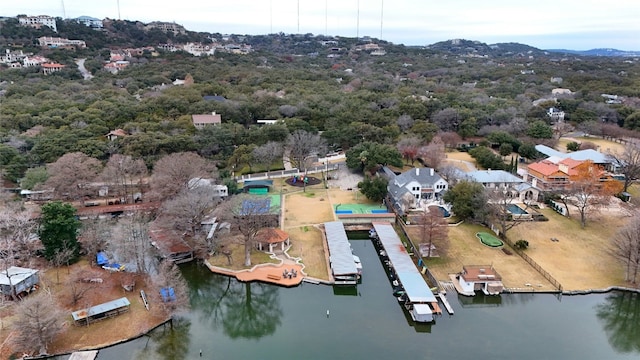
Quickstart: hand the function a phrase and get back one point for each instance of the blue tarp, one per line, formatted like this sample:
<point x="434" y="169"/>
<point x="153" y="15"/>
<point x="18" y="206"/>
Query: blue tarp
<point x="101" y="258"/>
<point x="168" y="294"/>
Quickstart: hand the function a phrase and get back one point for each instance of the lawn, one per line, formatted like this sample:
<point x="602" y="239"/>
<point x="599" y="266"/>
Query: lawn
<point x="579" y="260"/>
<point x="465" y="249"/>
<point x="606" y="146"/>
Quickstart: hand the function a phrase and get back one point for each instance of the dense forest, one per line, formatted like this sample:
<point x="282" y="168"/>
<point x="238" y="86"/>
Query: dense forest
<point x="455" y="90"/>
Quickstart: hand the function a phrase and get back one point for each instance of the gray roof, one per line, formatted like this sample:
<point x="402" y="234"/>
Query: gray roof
<point x="424" y="176"/>
<point x="16" y="275"/>
<point x="581" y="155"/>
<point x="101" y="308"/>
<point x="340" y="255"/>
<point x="493" y="176"/>
<point x="411" y="279"/>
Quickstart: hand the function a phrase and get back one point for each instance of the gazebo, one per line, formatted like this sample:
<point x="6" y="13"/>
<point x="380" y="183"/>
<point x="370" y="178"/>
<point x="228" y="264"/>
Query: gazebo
<point x="268" y="238"/>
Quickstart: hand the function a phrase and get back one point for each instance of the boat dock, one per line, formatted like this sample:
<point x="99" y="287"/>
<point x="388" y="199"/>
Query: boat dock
<point x="420" y="300"/>
<point x="445" y="302"/>
<point x="343" y="266"/>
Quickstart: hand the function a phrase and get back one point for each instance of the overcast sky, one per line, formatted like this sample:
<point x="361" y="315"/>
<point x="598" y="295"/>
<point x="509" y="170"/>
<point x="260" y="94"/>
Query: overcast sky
<point x="545" y="24"/>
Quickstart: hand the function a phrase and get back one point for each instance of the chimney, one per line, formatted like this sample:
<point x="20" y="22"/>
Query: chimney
<point x="417" y="171"/>
<point x="431" y="172"/>
<point x="213" y="113"/>
<point x="489" y="170"/>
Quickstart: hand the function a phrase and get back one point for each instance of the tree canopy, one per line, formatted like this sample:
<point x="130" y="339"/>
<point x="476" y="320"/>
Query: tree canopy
<point x="58" y="231"/>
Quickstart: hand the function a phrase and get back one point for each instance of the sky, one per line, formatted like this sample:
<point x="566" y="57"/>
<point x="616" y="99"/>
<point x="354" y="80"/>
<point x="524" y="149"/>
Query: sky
<point x="545" y="24"/>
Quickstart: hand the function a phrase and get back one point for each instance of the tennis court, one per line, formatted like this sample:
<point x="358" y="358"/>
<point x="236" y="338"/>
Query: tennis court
<point x="359" y="209"/>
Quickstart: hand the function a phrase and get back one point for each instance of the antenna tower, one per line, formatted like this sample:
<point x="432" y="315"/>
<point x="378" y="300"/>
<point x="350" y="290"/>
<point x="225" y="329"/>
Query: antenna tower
<point x="358" y="22"/>
<point x="381" y="16"/>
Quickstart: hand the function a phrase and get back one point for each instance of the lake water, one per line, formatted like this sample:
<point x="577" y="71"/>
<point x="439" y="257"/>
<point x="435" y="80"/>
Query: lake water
<point x="233" y="320"/>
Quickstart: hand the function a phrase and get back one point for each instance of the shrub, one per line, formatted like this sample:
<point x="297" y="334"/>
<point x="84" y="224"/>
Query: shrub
<point x="521" y="244"/>
<point x="573" y="146"/>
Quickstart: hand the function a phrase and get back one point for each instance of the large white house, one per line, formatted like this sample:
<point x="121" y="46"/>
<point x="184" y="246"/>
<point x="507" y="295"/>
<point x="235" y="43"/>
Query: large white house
<point x="418" y="186"/>
<point x="38" y="21"/>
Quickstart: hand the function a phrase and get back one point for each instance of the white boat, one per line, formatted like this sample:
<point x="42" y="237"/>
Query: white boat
<point x="356" y="259"/>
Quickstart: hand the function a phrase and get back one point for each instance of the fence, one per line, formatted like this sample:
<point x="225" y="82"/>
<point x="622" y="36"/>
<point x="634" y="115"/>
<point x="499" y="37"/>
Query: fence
<point x="431" y="279"/>
<point x="535" y="265"/>
<point x="287" y="173"/>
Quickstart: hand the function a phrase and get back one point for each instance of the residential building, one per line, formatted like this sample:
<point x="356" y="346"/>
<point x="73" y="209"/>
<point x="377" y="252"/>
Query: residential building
<point x="555" y="114"/>
<point x="115" y="134"/>
<point x="500" y="179"/>
<point x="198" y="49"/>
<point x="34" y="60"/>
<point x="12" y="56"/>
<point x="89" y="21"/>
<point x="598" y="158"/>
<point x="17" y="280"/>
<point x="556" y="174"/>
<point x="38" y="21"/>
<point x="560" y="91"/>
<point x="176" y="29"/>
<point x="200" y="121"/>
<point x="413" y="188"/>
<point x="57" y="42"/>
<point x="50" y="68"/>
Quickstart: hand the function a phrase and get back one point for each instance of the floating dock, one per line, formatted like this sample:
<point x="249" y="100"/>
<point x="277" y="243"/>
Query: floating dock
<point x="445" y="302"/>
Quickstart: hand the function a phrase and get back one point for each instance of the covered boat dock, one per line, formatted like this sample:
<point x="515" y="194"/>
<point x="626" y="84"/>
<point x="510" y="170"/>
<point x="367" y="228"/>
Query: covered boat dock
<point x="343" y="266"/>
<point x="419" y="299"/>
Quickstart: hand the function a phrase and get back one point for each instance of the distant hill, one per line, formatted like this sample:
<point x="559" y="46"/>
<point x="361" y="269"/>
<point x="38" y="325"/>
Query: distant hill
<point x="470" y="47"/>
<point x="597" y="52"/>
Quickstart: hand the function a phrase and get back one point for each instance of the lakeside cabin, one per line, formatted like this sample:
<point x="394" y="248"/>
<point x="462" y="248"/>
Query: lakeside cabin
<point x="18" y="281"/>
<point x="102" y="311"/>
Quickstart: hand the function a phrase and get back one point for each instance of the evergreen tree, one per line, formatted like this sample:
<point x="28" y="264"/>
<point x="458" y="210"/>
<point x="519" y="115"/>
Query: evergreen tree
<point x="59" y="231"/>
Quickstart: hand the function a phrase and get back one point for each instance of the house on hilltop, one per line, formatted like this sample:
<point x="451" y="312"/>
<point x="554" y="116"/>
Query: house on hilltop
<point x="38" y="21"/>
<point x="202" y="120"/>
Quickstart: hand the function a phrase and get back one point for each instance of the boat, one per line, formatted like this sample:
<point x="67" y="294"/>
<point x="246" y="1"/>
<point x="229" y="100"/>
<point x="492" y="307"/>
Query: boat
<point x="356" y="259"/>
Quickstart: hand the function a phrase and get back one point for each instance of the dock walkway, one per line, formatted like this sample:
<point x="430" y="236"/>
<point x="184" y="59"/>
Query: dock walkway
<point x="445" y="302"/>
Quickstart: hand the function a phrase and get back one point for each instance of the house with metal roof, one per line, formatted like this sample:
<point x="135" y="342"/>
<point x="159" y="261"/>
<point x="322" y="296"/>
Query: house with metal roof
<point x="492" y="179"/>
<point x="594" y="156"/>
<point x="414" y="187"/>
<point x="202" y="120"/>
<point x="16" y="280"/>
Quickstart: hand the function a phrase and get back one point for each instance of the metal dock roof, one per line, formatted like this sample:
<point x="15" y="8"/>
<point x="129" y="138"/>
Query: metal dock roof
<point x="340" y="254"/>
<point x="101" y="308"/>
<point x="411" y="279"/>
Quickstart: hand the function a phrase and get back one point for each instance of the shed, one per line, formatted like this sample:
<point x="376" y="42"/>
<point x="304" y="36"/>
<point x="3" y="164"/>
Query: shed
<point x="257" y="186"/>
<point x="101" y="311"/>
<point x="18" y="278"/>
<point x="168" y="294"/>
<point x="101" y="258"/>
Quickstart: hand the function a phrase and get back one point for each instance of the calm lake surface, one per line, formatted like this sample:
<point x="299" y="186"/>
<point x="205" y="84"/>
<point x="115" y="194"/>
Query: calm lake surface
<point x="233" y="320"/>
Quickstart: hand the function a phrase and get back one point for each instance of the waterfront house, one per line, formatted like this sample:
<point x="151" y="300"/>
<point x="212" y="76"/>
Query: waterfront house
<point x="414" y="187"/>
<point x="479" y="278"/>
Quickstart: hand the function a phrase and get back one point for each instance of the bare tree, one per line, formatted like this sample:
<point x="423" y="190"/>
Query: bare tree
<point x="433" y="229"/>
<point x="451" y="139"/>
<point x="172" y="173"/>
<point x="247" y="215"/>
<point x="37" y="322"/>
<point x="71" y="174"/>
<point x="17" y="231"/>
<point x="562" y="128"/>
<point x="125" y="175"/>
<point x="81" y="282"/>
<point x="302" y="146"/>
<point x="95" y="235"/>
<point x="268" y="153"/>
<point x="132" y="244"/>
<point x="433" y="154"/>
<point x="628" y="163"/>
<point x="625" y="247"/>
<point x="172" y="287"/>
<point x="409" y="147"/>
<point x="188" y="208"/>
<point x="500" y="200"/>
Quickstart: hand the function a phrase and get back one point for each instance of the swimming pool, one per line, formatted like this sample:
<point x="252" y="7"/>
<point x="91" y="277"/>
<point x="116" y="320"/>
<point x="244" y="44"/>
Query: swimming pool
<point x="516" y="210"/>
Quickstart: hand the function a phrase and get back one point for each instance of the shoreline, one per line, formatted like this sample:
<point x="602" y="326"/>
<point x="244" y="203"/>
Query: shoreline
<point x="566" y="292"/>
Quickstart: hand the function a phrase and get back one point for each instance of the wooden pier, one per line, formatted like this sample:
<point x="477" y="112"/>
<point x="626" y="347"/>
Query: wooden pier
<point x="445" y="302"/>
